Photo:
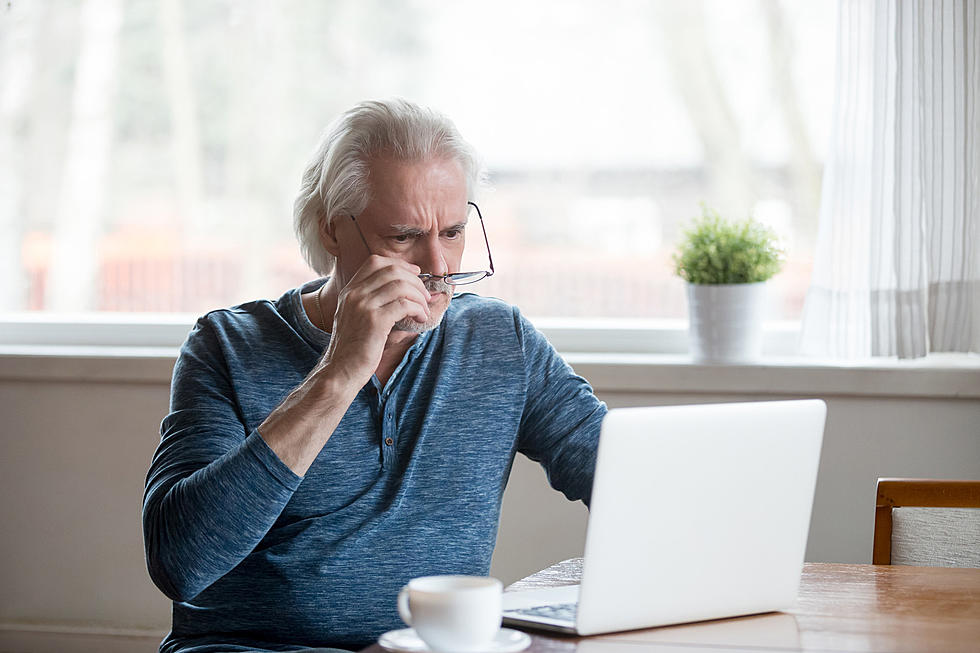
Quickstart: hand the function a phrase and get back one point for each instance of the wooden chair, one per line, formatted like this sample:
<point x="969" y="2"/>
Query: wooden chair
<point x="927" y="522"/>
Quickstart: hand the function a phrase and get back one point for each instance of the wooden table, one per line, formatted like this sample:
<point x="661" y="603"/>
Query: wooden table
<point x="858" y="608"/>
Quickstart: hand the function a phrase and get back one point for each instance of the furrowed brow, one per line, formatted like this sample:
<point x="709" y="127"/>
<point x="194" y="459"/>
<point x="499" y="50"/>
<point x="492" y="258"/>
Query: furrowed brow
<point x="407" y="230"/>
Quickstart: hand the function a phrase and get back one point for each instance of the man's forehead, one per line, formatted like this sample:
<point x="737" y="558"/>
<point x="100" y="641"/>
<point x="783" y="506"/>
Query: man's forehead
<point x="406" y="180"/>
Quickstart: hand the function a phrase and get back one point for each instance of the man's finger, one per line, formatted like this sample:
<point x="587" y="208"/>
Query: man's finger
<point x="376" y="269"/>
<point x="402" y="308"/>
<point x="373" y="297"/>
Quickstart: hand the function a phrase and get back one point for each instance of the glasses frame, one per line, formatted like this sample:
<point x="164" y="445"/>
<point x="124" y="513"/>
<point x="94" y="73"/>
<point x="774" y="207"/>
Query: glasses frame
<point x="453" y="278"/>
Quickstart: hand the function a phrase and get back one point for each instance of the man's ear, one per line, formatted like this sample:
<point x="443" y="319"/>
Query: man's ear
<point x="328" y="235"/>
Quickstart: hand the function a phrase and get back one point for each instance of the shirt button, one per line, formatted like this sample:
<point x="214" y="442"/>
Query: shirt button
<point x="389" y="441"/>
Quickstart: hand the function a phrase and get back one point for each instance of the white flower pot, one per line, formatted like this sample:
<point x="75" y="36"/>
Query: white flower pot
<point x="725" y="322"/>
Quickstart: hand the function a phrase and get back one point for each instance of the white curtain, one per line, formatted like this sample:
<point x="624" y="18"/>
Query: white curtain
<point x="897" y="265"/>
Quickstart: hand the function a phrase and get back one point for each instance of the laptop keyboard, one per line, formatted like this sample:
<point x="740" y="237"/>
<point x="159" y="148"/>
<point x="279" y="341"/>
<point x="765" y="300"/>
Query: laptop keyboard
<point x="563" y="611"/>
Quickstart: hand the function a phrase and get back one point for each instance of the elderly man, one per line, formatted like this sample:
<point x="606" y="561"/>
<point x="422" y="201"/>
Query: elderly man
<point x="323" y="449"/>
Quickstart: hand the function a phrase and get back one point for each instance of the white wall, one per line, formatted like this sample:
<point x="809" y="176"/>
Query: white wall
<point x="76" y="441"/>
<point x="73" y="457"/>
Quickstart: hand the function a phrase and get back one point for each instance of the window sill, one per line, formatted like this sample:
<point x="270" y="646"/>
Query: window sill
<point x="954" y="376"/>
<point x="945" y="376"/>
<point x="87" y="363"/>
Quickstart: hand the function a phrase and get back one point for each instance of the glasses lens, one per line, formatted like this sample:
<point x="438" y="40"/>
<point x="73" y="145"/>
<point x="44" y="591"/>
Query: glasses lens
<point x="463" y="278"/>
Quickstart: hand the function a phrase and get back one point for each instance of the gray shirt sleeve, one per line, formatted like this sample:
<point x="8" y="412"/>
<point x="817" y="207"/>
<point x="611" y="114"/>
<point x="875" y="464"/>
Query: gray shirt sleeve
<point x="213" y="490"/>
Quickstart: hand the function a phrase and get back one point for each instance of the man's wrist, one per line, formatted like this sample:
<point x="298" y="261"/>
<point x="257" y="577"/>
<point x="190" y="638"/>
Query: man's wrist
<point x="332" y="384"/>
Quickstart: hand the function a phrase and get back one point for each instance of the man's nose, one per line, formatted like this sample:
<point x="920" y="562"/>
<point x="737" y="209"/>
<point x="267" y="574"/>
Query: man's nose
<point x="432" y="258"/>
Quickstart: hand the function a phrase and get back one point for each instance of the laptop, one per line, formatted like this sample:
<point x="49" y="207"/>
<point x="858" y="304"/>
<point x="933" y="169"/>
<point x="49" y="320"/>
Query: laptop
<point x="698" y="512"/>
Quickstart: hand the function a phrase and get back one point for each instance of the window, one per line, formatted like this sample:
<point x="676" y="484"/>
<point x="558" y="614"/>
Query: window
<point x="150" y="150"/>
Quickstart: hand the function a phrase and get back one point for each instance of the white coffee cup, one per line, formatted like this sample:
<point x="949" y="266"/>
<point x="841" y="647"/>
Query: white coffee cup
<point x="453" y="614"/>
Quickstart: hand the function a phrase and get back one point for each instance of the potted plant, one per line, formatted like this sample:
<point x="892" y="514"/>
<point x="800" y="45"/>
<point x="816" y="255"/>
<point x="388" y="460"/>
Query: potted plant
<point x="726" y="265"/>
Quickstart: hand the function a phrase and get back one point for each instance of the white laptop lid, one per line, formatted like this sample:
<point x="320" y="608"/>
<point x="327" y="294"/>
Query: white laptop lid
<point x="699" y="512"/>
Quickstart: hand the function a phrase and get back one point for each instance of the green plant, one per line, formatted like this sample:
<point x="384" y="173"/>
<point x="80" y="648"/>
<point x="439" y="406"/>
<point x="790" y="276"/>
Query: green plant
<point x="717" y="251"/>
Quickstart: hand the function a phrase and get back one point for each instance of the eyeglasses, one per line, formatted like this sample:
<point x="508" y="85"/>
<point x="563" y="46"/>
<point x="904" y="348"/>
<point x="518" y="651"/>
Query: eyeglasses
<point x="453" y="278"/>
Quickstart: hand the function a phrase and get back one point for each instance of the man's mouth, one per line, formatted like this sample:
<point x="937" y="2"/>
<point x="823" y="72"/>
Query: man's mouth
<point x="436" y="296"/>
<point x="436" y="286"/>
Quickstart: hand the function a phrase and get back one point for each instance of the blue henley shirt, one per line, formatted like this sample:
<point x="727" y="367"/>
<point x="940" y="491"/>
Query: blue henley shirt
<point x="410" y="483"/>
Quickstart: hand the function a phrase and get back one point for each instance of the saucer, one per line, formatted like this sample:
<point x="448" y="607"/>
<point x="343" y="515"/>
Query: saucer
<point x="407" y="641"/>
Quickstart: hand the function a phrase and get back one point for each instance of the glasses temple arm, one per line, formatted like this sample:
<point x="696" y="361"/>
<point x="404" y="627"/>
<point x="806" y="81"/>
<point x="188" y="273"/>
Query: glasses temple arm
<point x="486" y="240"/>
<point x="361" y="234"/>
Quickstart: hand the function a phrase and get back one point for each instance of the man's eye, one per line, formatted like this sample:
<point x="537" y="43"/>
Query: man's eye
<point x="401" y="238"/>
<point x="454" y="233"/>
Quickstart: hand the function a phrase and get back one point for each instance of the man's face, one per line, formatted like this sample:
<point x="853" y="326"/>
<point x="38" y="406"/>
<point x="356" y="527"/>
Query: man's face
<point x="417" y="213"/>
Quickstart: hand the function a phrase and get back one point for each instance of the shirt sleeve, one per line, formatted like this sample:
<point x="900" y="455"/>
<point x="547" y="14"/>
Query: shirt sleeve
<point x="560" y="424"/>
<point x="213" y="491"/>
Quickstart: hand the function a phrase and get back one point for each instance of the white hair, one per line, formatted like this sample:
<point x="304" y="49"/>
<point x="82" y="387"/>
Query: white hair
<point x="336" y="180"/>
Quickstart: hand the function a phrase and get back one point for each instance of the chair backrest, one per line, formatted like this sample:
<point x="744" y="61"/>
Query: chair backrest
<point x="927" y="522"/>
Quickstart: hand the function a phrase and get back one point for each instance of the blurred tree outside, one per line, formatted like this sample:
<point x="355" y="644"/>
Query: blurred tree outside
<point x="78" y="216"/>
<point x="150" y="150"/>
<point x="16" y="71"/>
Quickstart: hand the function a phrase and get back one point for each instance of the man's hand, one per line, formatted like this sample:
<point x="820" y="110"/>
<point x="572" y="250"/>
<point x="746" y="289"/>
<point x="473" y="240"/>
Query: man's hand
<point x="381" y="292"/>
